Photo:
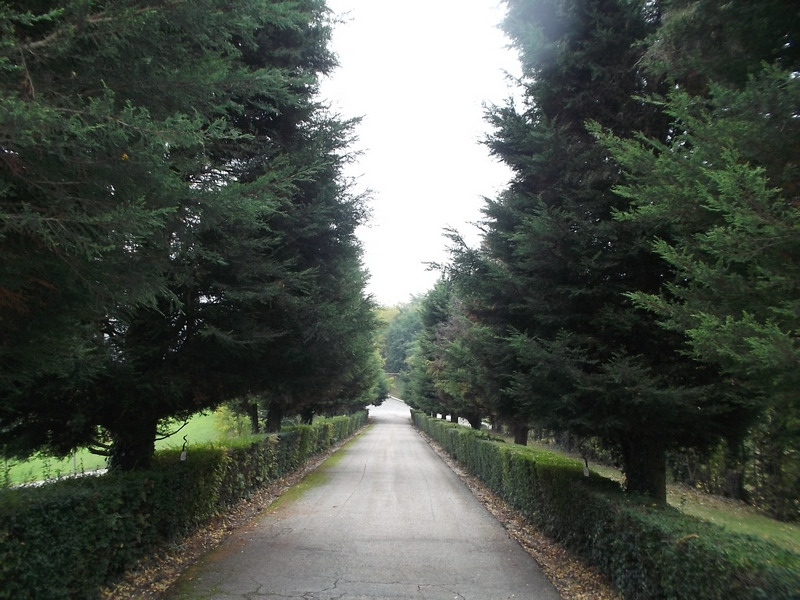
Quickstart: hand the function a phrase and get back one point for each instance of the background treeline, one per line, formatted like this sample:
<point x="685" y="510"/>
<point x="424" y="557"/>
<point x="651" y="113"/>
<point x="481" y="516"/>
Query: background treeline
<point x="637" y="284"/>
<point x="175" y="229"/>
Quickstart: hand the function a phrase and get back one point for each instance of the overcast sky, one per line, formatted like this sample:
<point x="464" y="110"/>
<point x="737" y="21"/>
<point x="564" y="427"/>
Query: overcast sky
<point x="418" y="72"/>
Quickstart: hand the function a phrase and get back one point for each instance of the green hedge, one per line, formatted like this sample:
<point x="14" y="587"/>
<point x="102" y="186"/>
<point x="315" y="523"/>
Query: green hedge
<point x="646" y="551"/>
<point x="66" y="539"/>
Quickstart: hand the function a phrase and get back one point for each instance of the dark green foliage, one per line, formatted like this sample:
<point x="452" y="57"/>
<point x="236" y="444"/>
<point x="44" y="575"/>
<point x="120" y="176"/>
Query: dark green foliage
<point x="436" y="365"/>
<point x="174" y="231"/>
<point x="703" y="41"/>
<point x="423" y="363"/>
<point x="547" y="285"/>
<point x="721" y="192"/>
<point x="66" y="539"/>
<point x="647" y="551"/>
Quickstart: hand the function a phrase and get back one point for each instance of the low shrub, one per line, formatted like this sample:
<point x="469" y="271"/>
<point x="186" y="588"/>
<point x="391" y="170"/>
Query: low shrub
<point x="64" y="540"/>
<point x="647" y="551"/>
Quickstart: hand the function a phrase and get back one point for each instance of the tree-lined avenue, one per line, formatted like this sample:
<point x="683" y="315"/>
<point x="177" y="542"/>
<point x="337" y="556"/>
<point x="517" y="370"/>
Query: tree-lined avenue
<point x="388" y="520"/>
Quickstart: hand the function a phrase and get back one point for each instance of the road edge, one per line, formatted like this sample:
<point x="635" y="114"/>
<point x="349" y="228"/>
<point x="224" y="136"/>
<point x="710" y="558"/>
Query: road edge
<point x="152" y="578"/>
<point x="572" y="577"/>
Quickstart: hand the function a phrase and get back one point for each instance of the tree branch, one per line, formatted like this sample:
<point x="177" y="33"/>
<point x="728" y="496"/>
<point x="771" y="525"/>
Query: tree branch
<point x="92" y="20"/>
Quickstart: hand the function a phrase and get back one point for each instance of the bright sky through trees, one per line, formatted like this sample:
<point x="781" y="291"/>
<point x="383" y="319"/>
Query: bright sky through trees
<point x="418" y="72"/>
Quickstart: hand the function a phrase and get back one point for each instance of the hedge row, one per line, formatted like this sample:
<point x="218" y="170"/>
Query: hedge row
<point x="646" y="551"/>
<point x="66" y="539"/>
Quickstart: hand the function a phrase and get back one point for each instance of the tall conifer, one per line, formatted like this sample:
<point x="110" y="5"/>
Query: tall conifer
<point x="554" y="267"/>
<point x="725" y="186"/>
<point x="175" y="228"/>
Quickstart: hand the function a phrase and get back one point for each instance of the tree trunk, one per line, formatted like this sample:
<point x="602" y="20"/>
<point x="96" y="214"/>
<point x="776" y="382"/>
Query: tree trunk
<point x="566" y="440"/>
<point x="274" y="417"/>
<point x="307" y="416"/>
<point x="252" y="412"/>
<point x="733" y="484"/>
<point x="475" y="420"/>
<point x="645" y="466"/>
<point x="520" y="431"/>
<point x="454" y="418"/>
<point x="132" y="446"/>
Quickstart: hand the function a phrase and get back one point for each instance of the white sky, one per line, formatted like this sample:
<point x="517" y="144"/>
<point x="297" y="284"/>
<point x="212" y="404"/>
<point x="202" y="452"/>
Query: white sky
<point x="418" y="71"/>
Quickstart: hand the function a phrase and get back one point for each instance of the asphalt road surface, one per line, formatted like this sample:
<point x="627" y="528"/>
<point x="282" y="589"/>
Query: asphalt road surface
<point x="387" y="520"/>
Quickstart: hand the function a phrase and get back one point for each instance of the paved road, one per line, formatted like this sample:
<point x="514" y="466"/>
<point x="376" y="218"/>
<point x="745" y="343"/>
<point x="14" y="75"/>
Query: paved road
<point x="390" y="520"/>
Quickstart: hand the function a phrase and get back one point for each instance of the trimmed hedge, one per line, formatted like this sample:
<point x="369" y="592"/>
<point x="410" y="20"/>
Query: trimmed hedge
<point x="646" y="551"/>
<point x="66" y="539"/>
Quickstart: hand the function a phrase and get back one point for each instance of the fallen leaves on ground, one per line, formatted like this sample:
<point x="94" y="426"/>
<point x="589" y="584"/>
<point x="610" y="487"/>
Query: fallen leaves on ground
<point x="572" y="576"/>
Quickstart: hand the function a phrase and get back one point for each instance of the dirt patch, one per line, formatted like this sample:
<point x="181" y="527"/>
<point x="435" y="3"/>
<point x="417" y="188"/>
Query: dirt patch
<point x="572" y="576"/>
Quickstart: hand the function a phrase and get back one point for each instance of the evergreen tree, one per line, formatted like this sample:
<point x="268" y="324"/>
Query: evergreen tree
<point x="398" y="344"/>
<point x="442" y="368"/>
<point x="98" y="163"/>
<point x="470" y="372"/>
<point x="434" y="310"/>
<point x="725" y="186"/>
<point x="400" y="335"/>
<point x="703" y="41"/>
<point x="551" y="276"/>
<point x="488" y="291"/>
<point x="175" y="231"/>
<point x="89" y="174"/>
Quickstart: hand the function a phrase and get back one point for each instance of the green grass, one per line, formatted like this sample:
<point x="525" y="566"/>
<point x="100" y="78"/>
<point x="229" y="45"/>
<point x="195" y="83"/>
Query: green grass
<point x="38" y="468"/>
<point x="200" y="429"/>
<point x="734" y="517"/>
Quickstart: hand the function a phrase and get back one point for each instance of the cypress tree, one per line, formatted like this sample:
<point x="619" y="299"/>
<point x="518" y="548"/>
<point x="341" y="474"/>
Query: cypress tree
<point x="725" y="186"/>
<point x="555" y="264"/>
<point x="173" y="214"/>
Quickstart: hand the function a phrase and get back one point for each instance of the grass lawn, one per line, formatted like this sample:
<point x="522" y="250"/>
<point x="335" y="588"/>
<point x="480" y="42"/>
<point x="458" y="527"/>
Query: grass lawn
<point x="199" y="429"/>
<point x="734" y="516"/>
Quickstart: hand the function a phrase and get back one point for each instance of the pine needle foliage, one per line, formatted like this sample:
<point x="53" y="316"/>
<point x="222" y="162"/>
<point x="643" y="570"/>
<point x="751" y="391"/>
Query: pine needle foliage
<point x="171" y="210"/>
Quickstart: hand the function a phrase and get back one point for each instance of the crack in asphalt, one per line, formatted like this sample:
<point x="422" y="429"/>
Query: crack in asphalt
<point x="348" y="498"/>
<point x="433" y="586"/>
<point x="313" y="595"/>
<point x="259" y="587"/>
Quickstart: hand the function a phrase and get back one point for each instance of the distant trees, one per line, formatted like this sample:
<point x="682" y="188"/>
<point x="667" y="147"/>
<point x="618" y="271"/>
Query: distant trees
<point x="400" y="334"/>
<point x="640" y="286"/>
<point x="175" y="228"/>
<point x="432" y="383"/>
